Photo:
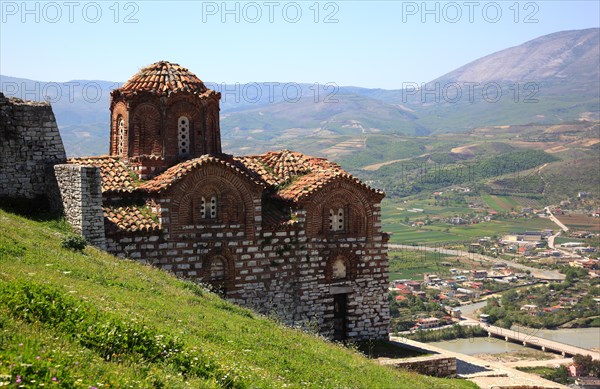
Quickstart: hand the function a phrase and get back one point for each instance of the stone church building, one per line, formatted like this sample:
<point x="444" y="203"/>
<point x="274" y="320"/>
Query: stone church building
<point x="281" y="232"/>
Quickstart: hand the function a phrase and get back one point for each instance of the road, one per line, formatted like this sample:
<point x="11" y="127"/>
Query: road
<point x="538" y="273"/>
<point x="555" y="220"/>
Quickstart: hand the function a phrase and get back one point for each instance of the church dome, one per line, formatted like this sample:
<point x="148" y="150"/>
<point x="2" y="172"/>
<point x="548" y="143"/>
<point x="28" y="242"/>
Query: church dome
<point x="163" y="78"/>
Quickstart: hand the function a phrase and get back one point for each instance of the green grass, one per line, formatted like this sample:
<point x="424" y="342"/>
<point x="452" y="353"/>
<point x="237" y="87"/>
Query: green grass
<point x="86" y="319"/>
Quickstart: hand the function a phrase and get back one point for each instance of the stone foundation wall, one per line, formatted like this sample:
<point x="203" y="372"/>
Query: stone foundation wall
<point x="30" y="144"/>
<point x="81" y="198"/>
<point x="434" y="365"/>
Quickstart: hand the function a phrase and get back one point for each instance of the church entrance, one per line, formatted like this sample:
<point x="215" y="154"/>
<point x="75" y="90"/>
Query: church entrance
<point x="339" y="316"/>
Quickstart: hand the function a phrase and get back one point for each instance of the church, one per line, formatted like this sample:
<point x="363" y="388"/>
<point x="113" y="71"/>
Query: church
<point x="283" y="233"/>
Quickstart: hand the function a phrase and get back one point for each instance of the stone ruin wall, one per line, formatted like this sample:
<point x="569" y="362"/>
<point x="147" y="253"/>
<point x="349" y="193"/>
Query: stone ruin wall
<point x="30" y="144"/>
<point x="81" y="199"/>
<point x="33" y="165"/>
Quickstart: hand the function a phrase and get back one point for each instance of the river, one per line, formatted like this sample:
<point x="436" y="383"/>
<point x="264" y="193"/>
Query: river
<point x="581" y="337"/>
<point x="588" y="338"/>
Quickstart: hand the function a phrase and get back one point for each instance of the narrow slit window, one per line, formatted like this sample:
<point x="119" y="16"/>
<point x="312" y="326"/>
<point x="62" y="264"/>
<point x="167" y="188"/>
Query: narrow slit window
<point x="213" y="207"/>
<point x="183" y="135"/>
<point x="121" y="136"/>
<point x="340" y="219"/>
<point x="332" y="223"/>
<point x="203" y="208"/>
<point x="336" y="219"/>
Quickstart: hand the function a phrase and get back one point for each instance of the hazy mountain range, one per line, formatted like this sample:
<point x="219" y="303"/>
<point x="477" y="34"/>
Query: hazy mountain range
<point x="551" y="79"/>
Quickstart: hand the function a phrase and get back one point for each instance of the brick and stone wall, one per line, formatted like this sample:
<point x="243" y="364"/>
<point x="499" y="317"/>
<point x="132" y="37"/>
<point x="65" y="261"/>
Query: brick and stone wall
<point x="81" y="198"/>
<point x="30" y="144"/>
<point x="281" y="272"/>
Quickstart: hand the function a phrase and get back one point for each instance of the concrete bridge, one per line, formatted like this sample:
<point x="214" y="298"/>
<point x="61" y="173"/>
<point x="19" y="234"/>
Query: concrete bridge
<point x="529" y="340"/>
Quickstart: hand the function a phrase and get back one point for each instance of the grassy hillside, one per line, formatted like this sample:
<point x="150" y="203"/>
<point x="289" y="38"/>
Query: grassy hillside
<point x="88" y="319"/>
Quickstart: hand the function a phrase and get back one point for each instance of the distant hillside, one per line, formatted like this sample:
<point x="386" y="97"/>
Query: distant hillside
<point x="549" y="80"/>
<point x="567" y="55"/>
<point x="89" y="319"/>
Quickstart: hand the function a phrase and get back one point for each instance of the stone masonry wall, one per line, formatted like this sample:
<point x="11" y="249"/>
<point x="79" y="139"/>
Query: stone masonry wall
<point x="30" y="144"/>
<point x="281" y="272"/>
<point x="81" y="197"/>
<point x="432" y="365"/>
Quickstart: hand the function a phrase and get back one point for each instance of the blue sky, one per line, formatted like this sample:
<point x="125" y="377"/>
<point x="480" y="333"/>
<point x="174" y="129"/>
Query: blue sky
<point x="376" y="44"/>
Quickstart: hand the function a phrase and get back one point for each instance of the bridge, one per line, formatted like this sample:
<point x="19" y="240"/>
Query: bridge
<point x="530" y="340"/>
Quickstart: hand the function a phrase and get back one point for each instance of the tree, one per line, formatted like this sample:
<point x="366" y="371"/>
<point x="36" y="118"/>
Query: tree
<point x="583" y="363"/>
<point x="595" y="368"/>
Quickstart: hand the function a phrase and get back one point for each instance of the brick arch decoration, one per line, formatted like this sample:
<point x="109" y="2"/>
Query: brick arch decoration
<point x="357" y="205"/>
<point x="234" y="190"/>
<point x="350" y="261"/>
<point x="224" y="255"/>
<point x="146" y="135"/>
<point x="212" y="129"/>
<point x="230" y="204"/>
<point x="187" y="106"/>
<point x="119" y="110"/>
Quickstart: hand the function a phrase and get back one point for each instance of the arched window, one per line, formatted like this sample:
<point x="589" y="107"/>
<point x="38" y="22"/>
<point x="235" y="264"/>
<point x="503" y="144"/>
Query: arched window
<point x="336" y="219"/>
<point x="183" y="135"/>
<point x="338" y="268"/>
<point x="208" y="207"/>
<point x="120" y="135"/>
<point x="215" y="273"/>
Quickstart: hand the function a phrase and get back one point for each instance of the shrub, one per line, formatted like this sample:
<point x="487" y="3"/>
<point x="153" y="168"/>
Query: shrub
<point x="74" y="242"/>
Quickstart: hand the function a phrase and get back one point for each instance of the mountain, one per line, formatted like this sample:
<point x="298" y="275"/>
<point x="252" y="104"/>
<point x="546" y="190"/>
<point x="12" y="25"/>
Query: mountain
<point x="568" y="55"/>
<point x="552" y="79"/>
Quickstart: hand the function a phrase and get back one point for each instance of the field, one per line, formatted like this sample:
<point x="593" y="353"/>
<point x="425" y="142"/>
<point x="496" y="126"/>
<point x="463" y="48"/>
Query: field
<point x="446" y="233"/>
<point x="580" y="222"/>
<point x="509" y="203"/>
<point x="413" y="264"/>
<point x="565" y="239"/>
<point x="500" y="203"/>
<point x="87" y="319"/>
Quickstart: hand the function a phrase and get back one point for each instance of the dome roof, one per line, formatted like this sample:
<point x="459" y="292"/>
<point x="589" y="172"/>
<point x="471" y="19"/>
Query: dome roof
<point x="163" y="78"/>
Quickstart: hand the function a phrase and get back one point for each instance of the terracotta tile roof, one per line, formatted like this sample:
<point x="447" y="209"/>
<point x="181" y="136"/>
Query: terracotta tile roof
<point x="298" y="175"/>
<point x="175" y="173"/>
<point x="277" y="167"/>
<point x="258" y="167"/>
<point x="303" y="186"/>
<point x="131" y="218"/>
<point x="116" y="177"/>
<point x="163" y="78"/>
<point x="292" y="176"/>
